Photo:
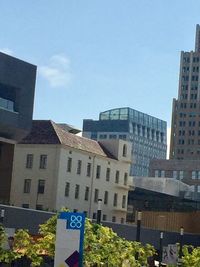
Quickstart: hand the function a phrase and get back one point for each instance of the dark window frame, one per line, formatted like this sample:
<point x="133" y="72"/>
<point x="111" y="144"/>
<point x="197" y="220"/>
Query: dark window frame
<point x="27" y="186"/>
<point x="43" y="161"/>
<point x="41" y="186"/>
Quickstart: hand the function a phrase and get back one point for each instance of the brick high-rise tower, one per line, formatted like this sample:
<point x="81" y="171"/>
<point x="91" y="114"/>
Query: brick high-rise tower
<point x="185" y="127"/>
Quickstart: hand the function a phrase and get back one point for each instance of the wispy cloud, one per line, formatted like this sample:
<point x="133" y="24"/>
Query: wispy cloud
<point x="57" y="72"/>
<point x="6" y="50"/>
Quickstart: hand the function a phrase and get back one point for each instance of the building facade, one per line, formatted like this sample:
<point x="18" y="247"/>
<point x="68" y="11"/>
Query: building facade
<point x="184" y="162"/>
<point x="146" y="133"/>
<point x="185" y="126"/>
<point x="187" y="171"/>
<point x="17" y="86"/>
<point x="54" y="168"/>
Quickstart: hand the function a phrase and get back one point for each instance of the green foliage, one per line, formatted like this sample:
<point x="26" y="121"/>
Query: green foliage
<point x="6" y="255"/>
<point x="191" y="256"/>
<point x="102" y="247"/>
<point x="25" y="245"/>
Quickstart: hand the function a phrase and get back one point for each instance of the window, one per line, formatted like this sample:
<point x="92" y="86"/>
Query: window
<point x="195" y="174"/>
<point x="117" y="177"/>
<point x="94" y="216"/>
<point x="181" y="175"/>
<point x="125" y="178"/>
<point x="67" y="188"/>
<point x="106" y="197"/>
<point x="69" y="164"/>
<point x="39" y="207"/>
<point x="112" y="136"/>
<point x="89" y="169"/>
<point x="124" y="202"/>
<point x="25" y="206"/>
<point x="77" y="187"/>
<point x="113" y="219"/>
<point x="98" y="171"/>
<point x="27" y="185"/>
<point x="191" y="123"/>
<point x="41" y="185"/>
<point x="94" y="136"/>
<point x="162" y="173"/>
<point x="156" y="173"/>
<point x="102" y="136"/>
<point x="175" y="174"/>
<point x="122" y="136"/>
<point x="75" y="210"/>
<point x="29" y="161"/>
<point x="124" y="150"/>
<point x="96" y="195"/>
<point x="104" y="217"/>
<point x="192" y="187"/>
<point x="115" y="200"/>
<point x="107" y="174"/>
<point x="87" y="192"/>
<point x="43" y="161"/>
<point x="79" y="167"/>
<point x="122" y="220"/>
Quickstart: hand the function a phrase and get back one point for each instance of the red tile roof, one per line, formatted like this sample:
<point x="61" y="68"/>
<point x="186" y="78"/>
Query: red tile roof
<point x="48" y="132"/>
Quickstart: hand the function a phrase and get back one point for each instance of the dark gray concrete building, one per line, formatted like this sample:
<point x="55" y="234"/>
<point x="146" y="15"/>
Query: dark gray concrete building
<point x="146" y="133"/>
<point x="17" y="87"/>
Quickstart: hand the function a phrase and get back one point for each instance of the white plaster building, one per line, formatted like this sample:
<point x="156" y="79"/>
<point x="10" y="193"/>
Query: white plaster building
<point x="53" y="168"/>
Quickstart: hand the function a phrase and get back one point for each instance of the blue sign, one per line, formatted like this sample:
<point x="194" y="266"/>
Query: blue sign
<point x="75" y="221"/>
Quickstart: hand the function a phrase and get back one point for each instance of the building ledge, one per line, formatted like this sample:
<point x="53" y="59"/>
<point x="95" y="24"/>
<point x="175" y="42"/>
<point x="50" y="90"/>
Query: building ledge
<point x="120" y="209"/>
<point x="9" y="141"/>
<point x="122" y="186"/>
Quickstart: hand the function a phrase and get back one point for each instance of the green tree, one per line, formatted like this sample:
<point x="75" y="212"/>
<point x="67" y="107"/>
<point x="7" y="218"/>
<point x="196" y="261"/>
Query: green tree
<point x="6" y="255"/>
<point x="102" y="247"/>
<point x="191" y="256"/>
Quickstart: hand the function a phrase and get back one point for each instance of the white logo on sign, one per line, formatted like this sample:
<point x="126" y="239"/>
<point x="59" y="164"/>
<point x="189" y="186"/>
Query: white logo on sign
<point x="76" y="221"/>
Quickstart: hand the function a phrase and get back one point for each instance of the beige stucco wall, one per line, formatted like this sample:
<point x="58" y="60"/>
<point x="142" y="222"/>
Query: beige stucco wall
<point x="92" y="182"/>
<point x="20" y="172"/>
<point x="56" y="176"/>
<point x="115" y="146"/>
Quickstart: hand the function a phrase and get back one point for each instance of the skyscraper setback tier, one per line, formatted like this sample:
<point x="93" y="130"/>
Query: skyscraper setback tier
<point x="185" y="133"/>
<point x="146" y="133"/>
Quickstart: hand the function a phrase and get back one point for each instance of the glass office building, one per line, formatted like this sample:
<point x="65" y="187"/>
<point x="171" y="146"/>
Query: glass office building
<point x="146" y="133"/>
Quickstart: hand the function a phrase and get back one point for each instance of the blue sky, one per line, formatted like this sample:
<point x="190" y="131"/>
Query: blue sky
<point x="96" y="55"/>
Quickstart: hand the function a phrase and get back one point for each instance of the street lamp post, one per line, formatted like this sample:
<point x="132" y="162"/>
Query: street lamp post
<point x="181" y="244"/>
<point x="2" y="214"/>
<point x="138" y="230"/>
<point x="99" y="211"/>
<point x="161" y="249"/>
<point x="139" y="218"/>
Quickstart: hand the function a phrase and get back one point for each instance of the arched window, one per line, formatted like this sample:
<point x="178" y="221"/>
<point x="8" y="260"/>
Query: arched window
<point x="124" y="150"/>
